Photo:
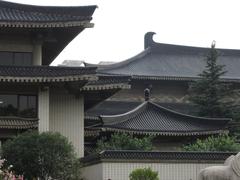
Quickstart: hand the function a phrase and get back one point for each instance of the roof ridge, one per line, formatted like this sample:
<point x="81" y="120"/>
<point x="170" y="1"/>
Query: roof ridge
<point x="156" y="46"/>
<point x="121" y="63"/>
<point x="189" y="116"/>
<point x="111" y="119"/>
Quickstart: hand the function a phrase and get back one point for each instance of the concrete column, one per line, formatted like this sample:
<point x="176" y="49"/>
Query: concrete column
<point x="67" y="118"/>
<point x="37" y="53"/>
<point x="43" y="109"/>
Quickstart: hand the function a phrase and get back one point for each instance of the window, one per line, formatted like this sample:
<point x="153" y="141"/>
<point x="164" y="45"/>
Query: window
<point x="18" y="105"/>
<point x="16" y="58"/>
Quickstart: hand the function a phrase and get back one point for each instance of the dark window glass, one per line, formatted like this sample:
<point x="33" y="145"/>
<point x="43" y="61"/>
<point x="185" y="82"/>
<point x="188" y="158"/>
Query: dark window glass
<point x="18" y="105"/>
<point x="6" y="58"/>
<point x="8" y="105"/>
<point x="27" y="106"/>
<point x="16" y="58"/>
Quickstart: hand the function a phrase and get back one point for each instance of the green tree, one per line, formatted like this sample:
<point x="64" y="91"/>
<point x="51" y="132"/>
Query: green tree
<point x="41" y="155"/>
<point x="209" y="94"/>
<point x="223" y="143"/>
<point x="144" y="174"/>
<point x="123" y="141"/>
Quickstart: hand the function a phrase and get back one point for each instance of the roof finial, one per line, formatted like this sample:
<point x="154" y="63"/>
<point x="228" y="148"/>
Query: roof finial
<point x="148" y="39"/>
<point x="147" y="94"/>
<point x="213" y="44"/>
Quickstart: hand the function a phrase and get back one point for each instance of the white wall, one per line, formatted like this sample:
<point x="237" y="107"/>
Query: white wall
<point x="166" y="171"/>
<point x="66" y="115"/>
<point x="94" y="172"/>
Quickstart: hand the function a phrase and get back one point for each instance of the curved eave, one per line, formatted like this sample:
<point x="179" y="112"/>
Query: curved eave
<point x="162" y="133"/>
<point x="18" y="123"/>
<point x="85" y="24"/>
<point x="111" y="119"/>
<point x="91" y="133"/>
<point x="178" y="78"/>
<point x="30" y="126"/>
<point x="48" y="79"/>
<point x="170" y="78"/>
<point x="105" y="87"/>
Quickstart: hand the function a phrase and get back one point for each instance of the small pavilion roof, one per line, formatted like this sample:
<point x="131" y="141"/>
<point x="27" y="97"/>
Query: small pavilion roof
<point x="150" y="118"/>
<point x="45" y="73"/>
<point x="159" y="61"/>
<point x="18" y="123"/>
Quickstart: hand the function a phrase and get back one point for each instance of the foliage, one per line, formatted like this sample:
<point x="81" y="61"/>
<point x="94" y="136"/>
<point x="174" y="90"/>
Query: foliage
<point x="209" y="94"/>
<point x="123" y="141"/>
<point x="223" y="143"/>
<point x="41" y="155"/>
<point x="144" y="174"/>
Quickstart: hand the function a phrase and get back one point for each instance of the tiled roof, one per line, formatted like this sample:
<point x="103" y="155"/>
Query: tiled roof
<point x="22" y="15"/>
<point x="120" y="107"/>
<point x="45" y="73"/>
<point x="161" y="61"/>
<point x="150" y="118"/>
<point x="18" y="123"/>
<point x="52" y="26"/>
<point x="156" y="156"/>
<point x="108" y="82"/>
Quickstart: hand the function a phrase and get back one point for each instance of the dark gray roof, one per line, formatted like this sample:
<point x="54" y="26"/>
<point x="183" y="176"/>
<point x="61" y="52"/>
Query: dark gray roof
<point x="173" y="62"/>
<point x="129" y="155"/>
<point x="22" y="15"/>
<point x="120" y="107"/>
<point x="53" y="26"/>
<point x="45" y="73"/>
<point x="18" y="123"/>
<point x="108" y="83"/>
<point x="151" y="118"/>
<point x="111" y="108"/>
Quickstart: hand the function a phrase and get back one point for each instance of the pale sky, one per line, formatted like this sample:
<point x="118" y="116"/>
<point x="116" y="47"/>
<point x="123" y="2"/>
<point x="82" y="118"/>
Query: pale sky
<point x="120" y="26"/>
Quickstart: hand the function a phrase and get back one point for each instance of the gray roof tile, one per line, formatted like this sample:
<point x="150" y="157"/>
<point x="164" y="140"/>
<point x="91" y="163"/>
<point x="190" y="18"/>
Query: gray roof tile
<point x="150" y="117"/>
<point x="155" y="156"/>
<point x="18" y="123"/>
<point x="45" y="73"/>
<point x="167" y="61"/>
<point x="13" y="12"/>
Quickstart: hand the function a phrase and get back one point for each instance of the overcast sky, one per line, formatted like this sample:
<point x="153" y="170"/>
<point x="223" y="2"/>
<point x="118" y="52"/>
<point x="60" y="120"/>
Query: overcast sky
<point x="120" y="26"/>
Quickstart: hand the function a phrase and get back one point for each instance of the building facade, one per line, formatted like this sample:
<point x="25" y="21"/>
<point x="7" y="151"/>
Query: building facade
<point x="165" y="70"/>
<point x="34" y="95"/>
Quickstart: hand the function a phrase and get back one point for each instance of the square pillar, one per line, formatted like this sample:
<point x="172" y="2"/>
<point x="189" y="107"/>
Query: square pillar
<point x="43" y="109"/>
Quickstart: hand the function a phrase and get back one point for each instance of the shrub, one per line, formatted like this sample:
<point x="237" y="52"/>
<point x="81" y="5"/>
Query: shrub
<point x="219" y="143"/>
<point x="122" y="141"/>
<point x="144" y="174"/>
<point x="42" y="155"/>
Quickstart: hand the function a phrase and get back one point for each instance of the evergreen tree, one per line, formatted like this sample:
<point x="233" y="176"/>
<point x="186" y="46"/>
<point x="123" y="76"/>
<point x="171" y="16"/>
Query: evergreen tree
<point x="210" y="94"/>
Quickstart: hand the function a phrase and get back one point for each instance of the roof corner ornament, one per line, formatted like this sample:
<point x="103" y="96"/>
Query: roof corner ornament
<point x="148" y="39"/>
<point x="147" y="94"/>
<point x="213" y="45"/>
